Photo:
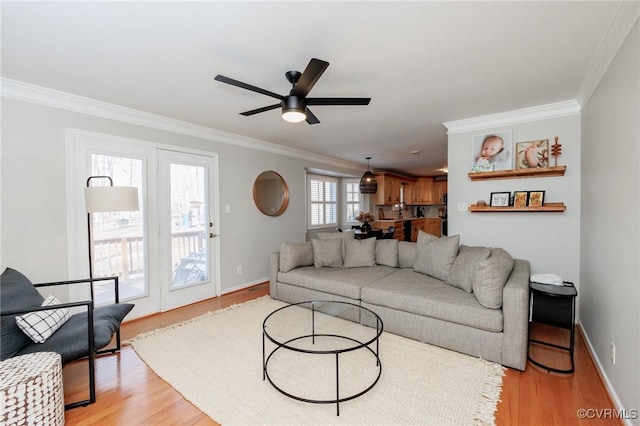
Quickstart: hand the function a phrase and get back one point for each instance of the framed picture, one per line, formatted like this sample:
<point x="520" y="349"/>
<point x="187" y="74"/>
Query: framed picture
<point x="500" y="199"/>
<point x="536" y="198"/>
<point x="520" y="198"/>
<point x="491" y="152"/>
<point x="532" y="154"/>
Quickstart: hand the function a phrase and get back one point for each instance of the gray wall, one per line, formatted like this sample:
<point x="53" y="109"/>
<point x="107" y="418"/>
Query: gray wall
<point x="550" y="241"/>
<point x="34" y="219"/>
<point x="610" y="229"/>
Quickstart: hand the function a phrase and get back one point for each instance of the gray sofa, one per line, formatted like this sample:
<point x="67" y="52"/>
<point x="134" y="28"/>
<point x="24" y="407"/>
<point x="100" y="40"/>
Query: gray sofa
<point x="473" y="300"/>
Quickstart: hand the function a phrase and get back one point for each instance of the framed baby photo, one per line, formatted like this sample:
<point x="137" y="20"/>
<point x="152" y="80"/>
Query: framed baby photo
<point x="532" y="154"/>
<point x="500" y="199"/>
<point x="491" y="151"/>
<point x="536" y="199"/>
<point x="520" y="198"/>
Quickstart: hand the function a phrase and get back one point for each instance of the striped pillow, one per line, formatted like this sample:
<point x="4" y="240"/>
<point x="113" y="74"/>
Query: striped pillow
<point x="40" y="325"/>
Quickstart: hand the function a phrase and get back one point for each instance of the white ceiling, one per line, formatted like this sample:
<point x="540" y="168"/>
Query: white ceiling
<point x="422" y="63"/>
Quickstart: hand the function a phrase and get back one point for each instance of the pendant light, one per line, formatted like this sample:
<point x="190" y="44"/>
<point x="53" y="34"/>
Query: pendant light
<point x="368" y="183"/>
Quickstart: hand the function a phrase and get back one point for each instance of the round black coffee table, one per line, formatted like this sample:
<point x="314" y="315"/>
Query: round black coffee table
<point x="292" y="328"/>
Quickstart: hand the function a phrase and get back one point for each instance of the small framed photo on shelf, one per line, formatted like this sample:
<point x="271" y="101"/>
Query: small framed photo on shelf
<point x="532" y="154"/>
<point x="500" y="199"/>
<point x="536" y="199"/>
<point x="520" y="198"/>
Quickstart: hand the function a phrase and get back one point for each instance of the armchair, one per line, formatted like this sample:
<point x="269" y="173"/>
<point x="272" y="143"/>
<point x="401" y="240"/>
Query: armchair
<point x="84" y="334"/>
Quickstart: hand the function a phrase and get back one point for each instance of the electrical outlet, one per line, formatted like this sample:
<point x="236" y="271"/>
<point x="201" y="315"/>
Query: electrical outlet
<point x="227" y="208"/>
<point x="239" y="270"/>
<point x="612" y="353"/>
<point x="463" y="207"/>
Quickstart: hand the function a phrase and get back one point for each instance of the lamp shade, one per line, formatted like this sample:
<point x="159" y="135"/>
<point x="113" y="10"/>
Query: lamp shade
<point x="368" y="183"/>
<point x="110" y="198"/>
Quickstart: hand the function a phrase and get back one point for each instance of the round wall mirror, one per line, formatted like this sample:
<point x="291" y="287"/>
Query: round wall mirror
<point x="270" y="193"/>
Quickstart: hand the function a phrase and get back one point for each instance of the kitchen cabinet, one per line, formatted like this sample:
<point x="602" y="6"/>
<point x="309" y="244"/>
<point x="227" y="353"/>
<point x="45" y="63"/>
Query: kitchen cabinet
<point x="409" y="192"/>
<point x="429" y="225"/>
<point x="439" y="190"/>
<point x="417" y="225"/>
<point x="433" y="226"/>
<point x="389" y="187"/>
<point x="425" y="191"/>
<point x="421" y="191"/>
<point x="386" y="190"/>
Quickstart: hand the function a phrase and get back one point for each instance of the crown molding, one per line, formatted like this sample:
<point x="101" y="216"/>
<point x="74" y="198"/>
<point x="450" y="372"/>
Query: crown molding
<point x="625" y="18"/>
<point x="542" y="112"/>
<point x="27" y="92"/>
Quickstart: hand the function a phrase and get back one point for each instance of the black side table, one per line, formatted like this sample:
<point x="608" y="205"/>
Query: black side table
<point x="554" y="305"/>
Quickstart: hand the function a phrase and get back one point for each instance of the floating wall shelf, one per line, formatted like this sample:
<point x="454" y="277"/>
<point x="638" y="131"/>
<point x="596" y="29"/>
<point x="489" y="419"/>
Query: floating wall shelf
<point x="546" y="207"/>
<point x="520" y="173"/>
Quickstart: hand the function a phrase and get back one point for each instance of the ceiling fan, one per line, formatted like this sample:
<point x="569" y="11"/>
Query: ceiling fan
<point x="294" y="105"/>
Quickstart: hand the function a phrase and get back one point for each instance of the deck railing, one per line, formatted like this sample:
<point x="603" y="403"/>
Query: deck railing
<point x="124" y="256"/>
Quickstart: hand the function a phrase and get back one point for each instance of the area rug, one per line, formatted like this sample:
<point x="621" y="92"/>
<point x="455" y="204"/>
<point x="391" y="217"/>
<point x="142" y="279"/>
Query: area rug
<point x="215" y="361"/>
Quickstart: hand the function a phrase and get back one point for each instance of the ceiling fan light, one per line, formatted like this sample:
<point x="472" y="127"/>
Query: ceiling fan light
<point x="293" y="116"/>
<point x="294" y="109"/>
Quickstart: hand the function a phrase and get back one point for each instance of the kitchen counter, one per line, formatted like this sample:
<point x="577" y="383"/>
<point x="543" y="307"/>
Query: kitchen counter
<point x="431" y="225"/>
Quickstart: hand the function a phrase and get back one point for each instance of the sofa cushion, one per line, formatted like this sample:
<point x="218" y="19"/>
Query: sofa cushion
<point x="465" y="266"/>
<point x="294" y="255"/>
<point x="106" y="320"/>
<point x="435" y="256"/>
<point x="327" y="253"/>
<point x="409" y="291"/>
<point x="406" y="254"/>
<point x="40" y="325"/>
<point x="359" y="253"/>
<point x="387" y="252"/>
<point x="491" y="276"/>
<point x="16" y="293"/>
<point x="342" y="236"/>
<point x="344" y="282"/>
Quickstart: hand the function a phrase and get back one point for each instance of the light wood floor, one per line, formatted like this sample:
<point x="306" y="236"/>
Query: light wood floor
<point x="129" y="393"/>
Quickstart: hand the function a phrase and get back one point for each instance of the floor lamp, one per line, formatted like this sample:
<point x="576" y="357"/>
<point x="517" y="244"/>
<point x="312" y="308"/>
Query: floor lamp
<point x="106" y="199"/>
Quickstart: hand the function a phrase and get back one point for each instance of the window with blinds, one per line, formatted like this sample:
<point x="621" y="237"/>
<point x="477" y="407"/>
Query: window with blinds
<point x="323" y="201"/>
<point x="352" y="200"/>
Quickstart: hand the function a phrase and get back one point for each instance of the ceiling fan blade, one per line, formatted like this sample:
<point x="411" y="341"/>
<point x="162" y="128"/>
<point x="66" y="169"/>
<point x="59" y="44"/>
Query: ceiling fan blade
<point x="338" y="101"/>
<point x="242" y="85"/>
<point x="311" y="118"/>
<point x="259" y="110"/>
<point x="309" y="77"/>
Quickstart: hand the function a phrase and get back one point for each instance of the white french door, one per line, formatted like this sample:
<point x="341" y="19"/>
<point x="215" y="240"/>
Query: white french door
<point x="163" y="254"/>
<point x="186" y="228"/>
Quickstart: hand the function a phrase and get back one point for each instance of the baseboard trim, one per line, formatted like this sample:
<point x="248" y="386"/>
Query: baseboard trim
<point x="613" y="396"/>
<point x="244" y="286"/>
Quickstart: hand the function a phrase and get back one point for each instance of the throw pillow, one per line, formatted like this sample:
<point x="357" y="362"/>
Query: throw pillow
<point x="491" y="276"/>
<point x="435" y="256"/>
<point x="16" y="293"/>
<point x="294" y="255"/>
<point x="40" y="325"/>
<point x="465" y="266"/>
<point x="387" y="253"/>
<point x="327" y="253"/>
<point x="406" y="254"/>
<point x="342" y="236"/>
<point x="360" y="253"/>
